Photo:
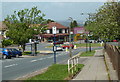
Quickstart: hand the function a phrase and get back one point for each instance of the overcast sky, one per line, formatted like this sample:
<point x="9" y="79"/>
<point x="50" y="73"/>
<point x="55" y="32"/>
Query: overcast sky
<point x="59" y="10"/>
<point x="54" y="0"/>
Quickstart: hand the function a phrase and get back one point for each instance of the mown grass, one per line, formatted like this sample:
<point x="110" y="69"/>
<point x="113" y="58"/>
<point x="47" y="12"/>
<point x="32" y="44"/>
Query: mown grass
<point x="92" y="45"/>
<point x="88" y="53"/>
<point x="28" y="53"/>
<point x="54" y="72"/>
<point x="82" y="45"/>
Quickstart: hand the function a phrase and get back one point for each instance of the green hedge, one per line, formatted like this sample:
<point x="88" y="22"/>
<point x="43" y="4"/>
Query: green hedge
<point x="7" y="42"/>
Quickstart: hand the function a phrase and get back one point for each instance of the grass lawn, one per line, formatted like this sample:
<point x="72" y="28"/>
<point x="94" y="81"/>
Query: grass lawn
<point x="92" y="45"/>
<point x="54" y="72"/>
<point x="82" y="45"/>
<point x="27" y="53"/>
<point x="49" y="46"/>
<point x="88" y="53"/>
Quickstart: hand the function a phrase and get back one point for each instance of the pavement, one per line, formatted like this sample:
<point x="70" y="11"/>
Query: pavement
<point x="94" y="69"/>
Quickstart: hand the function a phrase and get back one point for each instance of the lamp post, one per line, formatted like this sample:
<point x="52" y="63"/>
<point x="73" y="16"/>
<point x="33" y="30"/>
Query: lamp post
<point x="70" y="50"/>
<point x="87" y="39"/>
<point x="86" y="42"/>
<point x="89" y="42"/>
<point x="54" y="47"/>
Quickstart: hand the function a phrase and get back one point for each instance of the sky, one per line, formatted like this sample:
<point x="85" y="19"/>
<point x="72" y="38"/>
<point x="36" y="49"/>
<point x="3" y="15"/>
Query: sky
<point x="53" y="0"/>
<point x="58" y="11"/>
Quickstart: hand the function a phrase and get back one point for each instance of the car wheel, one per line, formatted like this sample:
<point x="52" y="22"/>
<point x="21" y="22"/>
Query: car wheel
<point x="9" y="57"/>
<point x="4" y="57"/>
<point x="17" y="56"/>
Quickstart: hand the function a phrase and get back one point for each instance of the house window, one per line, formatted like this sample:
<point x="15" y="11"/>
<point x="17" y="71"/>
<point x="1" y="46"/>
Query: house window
<point x="50" y="31"/>
<point x="65" y="30"/>
<point x="60" y="30"/>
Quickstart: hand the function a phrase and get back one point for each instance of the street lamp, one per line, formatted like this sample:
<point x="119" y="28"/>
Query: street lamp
<point x="87" y="39"/>
<point x="70" y="50"/>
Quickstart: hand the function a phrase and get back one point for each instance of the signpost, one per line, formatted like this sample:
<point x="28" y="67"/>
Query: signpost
<point x="54" y="47"/>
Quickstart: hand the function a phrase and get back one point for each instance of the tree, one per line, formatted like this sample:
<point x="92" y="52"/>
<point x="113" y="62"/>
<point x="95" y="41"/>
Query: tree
<point x="24" y="24"/>
<point x="49" y="20"/>
<point x="106" y="22"/>
<point x="7" y="42"/>
<point x="73" y="24"/>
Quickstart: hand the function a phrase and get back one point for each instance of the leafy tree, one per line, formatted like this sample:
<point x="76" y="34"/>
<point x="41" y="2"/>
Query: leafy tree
<point x="73" y="24"/>
<point x="7" y="42"/>
<point x="106" y="22"/>
<point x="49" y="20"/>
<point x="24" y="24"/>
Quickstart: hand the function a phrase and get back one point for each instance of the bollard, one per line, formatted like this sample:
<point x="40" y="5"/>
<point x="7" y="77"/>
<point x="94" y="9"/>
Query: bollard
<point x="75" y="47"/>
<point x="66" y="49"/>
<point x="101" y="43"/>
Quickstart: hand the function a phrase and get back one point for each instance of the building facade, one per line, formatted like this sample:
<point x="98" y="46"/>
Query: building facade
<point x="62" y="33"/>
<point x="3" y="29"/>
<point x="79" y="33"/>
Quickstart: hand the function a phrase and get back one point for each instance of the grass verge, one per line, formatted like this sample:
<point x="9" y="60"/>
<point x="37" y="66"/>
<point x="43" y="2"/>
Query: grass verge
<point x="92" y="45"/>
<point x="28" y="53"/>
<point x="54" y="72"/>
<point x="82" y="45"/>
<point x="88" y="53"/>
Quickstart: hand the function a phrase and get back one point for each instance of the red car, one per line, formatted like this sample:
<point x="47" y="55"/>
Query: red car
<point x="68" y="46"/>
<point x="115" y="41"/>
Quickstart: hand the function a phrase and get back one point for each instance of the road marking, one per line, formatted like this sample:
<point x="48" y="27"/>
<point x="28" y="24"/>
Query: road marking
<point x="50" y="57"/>
<point x="10" y="65"/>
<point x="33" y="61"/>
<point x="37" y="60"/>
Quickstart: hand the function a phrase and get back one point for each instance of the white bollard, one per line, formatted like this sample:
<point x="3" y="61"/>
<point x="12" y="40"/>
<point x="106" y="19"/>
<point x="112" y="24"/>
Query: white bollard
<point x="101" y="43"/>
<point x="66" y="49"/>
<point x="75" y="47"/>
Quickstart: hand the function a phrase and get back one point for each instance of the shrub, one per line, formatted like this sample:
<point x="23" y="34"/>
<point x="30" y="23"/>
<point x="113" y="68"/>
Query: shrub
<point x="7" y="42"/>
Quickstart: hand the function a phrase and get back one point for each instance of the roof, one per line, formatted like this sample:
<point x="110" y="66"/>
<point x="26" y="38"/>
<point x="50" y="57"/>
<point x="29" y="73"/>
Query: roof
<point x="57" y="25"/>
<point x="2" y="26"/>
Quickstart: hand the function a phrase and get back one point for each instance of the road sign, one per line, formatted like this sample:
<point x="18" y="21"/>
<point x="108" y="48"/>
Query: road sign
<point x="54" y="30"/>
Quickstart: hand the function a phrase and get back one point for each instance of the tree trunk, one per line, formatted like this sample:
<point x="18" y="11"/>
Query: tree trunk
<point x="23" y="47"/>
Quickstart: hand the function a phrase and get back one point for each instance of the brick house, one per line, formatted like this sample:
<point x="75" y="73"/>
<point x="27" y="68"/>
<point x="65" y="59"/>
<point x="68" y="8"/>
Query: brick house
<point x="62" y="32"/>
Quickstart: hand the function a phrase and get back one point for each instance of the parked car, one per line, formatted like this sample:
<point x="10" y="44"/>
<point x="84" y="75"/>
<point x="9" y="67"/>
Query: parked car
<point x="15" y="52"/>
<point x="115" y="41"/>
<point x="59" y="48"/>
<point x="67" y="46"/>
<point x="6" y="53"/>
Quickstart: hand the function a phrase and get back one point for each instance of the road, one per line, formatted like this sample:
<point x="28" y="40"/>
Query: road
<point x="17" y="67"/>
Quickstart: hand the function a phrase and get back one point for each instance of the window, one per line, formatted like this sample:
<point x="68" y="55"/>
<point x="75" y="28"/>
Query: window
<point x="50" y="31"/>
<point x="65" y="30"/>
<point x="60" y="30"/>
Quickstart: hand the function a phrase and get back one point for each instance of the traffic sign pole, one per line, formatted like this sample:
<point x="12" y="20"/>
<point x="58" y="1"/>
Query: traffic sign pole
<point x="54" y="50"/>
<point x="54" y="47"/>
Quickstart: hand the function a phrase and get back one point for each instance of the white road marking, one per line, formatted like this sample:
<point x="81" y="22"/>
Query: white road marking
<point x="50" y="57"/>
<point x="10" y="65"/>
<point x="33" y="61"/>
<point x="37" y="60"/>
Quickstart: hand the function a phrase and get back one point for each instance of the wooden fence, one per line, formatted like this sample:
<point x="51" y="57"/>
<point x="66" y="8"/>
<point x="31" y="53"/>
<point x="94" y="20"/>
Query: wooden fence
<point x="114" y="54"/>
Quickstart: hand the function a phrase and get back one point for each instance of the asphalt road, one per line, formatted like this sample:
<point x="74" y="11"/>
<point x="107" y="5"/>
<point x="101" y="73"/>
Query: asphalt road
<point x="17" y="67"/>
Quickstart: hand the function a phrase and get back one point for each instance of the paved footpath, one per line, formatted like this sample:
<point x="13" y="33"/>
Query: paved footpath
<point x="94" y="68"/>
